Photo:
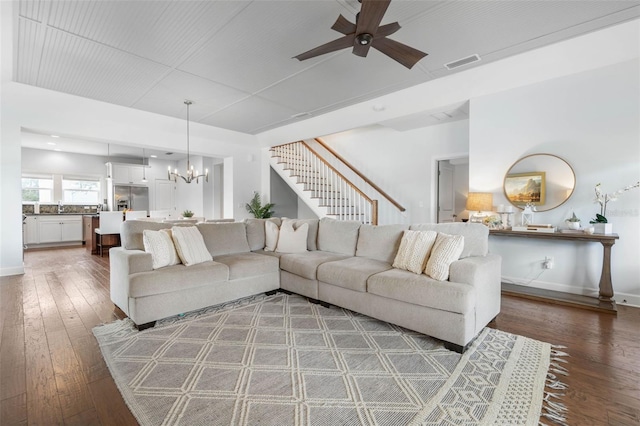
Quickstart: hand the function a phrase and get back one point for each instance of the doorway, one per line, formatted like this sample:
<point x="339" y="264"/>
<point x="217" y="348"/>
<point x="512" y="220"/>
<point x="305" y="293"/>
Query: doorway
<point x="453" y="187"/>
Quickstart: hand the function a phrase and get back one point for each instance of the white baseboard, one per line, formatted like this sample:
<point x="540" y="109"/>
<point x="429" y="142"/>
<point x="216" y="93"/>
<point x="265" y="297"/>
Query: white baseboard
<point x="620" y="298"/>
<point x="16" y="270"/>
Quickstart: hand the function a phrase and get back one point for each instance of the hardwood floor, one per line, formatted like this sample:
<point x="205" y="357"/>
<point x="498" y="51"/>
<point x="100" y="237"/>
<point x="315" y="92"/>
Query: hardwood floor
<point x="52" y="372"/>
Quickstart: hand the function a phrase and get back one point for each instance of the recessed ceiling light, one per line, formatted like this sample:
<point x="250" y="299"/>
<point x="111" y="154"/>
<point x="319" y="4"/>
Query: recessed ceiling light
<point x="55" y="136"/>
<point x="153" y="156"/>
<point x="51" y="143"/>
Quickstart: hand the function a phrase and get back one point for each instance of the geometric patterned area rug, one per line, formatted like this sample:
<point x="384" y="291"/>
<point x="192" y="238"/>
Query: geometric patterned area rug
<point x="281" y="360"/>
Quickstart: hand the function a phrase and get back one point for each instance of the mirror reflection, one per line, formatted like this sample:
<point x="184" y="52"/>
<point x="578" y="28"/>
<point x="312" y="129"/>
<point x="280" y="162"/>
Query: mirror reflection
<point x="544" y="180"/>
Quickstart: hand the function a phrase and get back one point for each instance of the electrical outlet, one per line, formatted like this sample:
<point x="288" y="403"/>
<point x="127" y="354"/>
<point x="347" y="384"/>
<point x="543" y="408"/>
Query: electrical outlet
<point x="548" y="263"/>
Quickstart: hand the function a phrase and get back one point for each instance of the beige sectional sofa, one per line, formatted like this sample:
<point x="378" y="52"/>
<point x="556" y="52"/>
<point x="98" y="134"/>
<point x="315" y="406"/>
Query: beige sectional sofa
<point x="347" y="264"/>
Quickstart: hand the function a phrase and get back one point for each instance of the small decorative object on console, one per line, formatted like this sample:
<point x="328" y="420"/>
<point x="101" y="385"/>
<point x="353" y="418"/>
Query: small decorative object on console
<point x="187" y="213"/>
<point x="573" y="222"/>
<point x="527" y="214"/>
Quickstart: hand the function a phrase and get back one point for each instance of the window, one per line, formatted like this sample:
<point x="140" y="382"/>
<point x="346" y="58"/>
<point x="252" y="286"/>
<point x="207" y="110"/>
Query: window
<point x="37" y="189"/>
<point x="80" y="191"/>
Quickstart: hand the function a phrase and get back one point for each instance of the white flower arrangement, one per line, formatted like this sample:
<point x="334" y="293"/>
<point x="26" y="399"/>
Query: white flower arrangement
<point x="603" y="199"/>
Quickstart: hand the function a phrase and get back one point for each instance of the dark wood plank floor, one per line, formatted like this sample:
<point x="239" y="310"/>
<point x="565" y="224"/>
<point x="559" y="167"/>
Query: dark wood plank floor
<point x="52" y="372"/>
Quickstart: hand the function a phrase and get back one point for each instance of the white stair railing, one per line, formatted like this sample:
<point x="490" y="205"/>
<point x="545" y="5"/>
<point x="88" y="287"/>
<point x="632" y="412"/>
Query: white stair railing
<point x="339" y="196"/>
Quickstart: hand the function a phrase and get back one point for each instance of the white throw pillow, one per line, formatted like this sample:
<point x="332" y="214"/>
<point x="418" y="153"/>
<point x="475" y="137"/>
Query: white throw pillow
<point x="414" y="250"/>
<point x="446" y="250"/>
<point x="271" y="234"/>
<point x="160" y="245"/>
<point x="190" y="245"/>
<point x="292" y="240"/>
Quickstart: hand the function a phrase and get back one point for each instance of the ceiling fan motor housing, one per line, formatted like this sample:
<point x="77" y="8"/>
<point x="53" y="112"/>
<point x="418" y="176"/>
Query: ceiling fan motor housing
<point x="364" y="39"/>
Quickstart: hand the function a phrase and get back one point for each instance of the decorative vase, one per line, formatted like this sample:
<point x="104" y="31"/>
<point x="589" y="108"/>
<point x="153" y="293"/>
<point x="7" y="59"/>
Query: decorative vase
<point x="573" y="225"/>
<point x="603" y="228"/>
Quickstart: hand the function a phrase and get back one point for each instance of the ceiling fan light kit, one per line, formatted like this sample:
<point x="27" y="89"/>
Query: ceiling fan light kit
<point x="191" y="174"/>
<point x="366" y="33"/>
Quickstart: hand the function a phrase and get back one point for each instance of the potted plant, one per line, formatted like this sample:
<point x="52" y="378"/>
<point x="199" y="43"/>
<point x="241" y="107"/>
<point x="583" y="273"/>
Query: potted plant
<point x="600" y="223"/>
<point x="187" y="214"/>
<point x="573" y="222"/>
<point x="256" y="208"/>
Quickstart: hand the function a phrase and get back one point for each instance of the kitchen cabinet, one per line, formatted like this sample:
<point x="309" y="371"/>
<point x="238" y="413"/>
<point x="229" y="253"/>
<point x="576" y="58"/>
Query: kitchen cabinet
<point x="58" y="228"/>
<point x="31" y="230"/>
<point x="125" y="173"/>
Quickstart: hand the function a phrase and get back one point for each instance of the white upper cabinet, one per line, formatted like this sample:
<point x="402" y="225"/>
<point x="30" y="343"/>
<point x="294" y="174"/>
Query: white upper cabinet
<point x="129" y="174"/>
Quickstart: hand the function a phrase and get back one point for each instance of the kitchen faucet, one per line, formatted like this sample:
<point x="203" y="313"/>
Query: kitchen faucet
<point x="60" y="207"/>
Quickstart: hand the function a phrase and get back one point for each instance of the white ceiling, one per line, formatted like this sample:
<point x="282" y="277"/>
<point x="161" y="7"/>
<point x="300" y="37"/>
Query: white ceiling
<point x="233" y="58"/>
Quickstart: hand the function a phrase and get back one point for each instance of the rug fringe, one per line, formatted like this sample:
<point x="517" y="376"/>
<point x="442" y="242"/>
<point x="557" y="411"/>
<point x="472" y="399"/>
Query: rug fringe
<point x="115" y="331"/>
<point x="555" y="411"/>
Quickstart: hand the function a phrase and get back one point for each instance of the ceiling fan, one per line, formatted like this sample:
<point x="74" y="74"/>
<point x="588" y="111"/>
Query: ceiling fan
<point x="366" y="33"/>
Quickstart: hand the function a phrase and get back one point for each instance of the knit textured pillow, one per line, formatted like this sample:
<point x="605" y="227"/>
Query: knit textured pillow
<point x="446" y="250"/>
<point x="292" y="240"/>
<point x="160" y="245"/>
<point x="414" y="250"/>
<point x="190" y="245"/>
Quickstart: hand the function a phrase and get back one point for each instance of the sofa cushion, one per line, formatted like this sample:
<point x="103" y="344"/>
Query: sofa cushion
<point x="131" y="232"/>
<point x="244" y="265"/>
<point x="255" y="232"/>
<point x="414" y="250"/>
<point x="379" y="242"/>
<point x="224" y="238"/>
<point x="338" y="236"/>
<point x="351" y="273"/>
<point x="177" y="278"/>
<point x="476" y="235"/>
<point x="190" y="245"/>
<point x="422" y="290"/>
<point x="306" y="264"/>
<point x="446" y="250"/>
<point x="160" y="245"/>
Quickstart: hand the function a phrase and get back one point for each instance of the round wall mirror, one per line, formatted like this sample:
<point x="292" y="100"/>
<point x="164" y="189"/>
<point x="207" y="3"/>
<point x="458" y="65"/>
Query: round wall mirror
<point x="544" y="180"/>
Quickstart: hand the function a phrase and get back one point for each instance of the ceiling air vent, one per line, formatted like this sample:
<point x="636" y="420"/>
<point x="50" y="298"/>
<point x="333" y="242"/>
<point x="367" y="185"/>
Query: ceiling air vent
<point x="461" y="62"/>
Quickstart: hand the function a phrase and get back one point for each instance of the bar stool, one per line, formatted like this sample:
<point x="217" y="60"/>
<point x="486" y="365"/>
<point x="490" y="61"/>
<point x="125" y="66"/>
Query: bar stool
<point x="110" y="223"/>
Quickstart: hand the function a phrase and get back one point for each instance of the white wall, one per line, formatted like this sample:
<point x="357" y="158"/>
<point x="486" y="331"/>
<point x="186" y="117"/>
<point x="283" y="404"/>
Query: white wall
<point x="592" y="120"/>
<point x="404" y="164"/>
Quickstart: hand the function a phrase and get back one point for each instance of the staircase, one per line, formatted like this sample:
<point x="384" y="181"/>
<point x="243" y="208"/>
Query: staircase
<point x="325" y="190"/>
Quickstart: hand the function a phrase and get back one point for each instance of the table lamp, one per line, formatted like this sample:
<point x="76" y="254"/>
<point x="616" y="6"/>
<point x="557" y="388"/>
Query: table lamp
<point x="479" y="202"/>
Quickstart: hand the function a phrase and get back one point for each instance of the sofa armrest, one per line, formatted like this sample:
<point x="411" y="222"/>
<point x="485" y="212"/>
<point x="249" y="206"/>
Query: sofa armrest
<point x="484" y="274"/>
<point x="123" y="263"/>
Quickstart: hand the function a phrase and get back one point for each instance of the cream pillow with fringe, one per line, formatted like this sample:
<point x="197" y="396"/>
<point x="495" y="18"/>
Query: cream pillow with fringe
<point x="190" y="245"/>
<point x="414" y="250"/>
<point x="446" y="250"/>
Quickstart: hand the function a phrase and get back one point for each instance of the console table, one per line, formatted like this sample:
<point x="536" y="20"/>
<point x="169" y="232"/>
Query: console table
<point x="604" y="302"/>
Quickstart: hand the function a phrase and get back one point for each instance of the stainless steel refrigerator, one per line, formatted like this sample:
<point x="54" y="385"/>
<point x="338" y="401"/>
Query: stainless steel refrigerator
<point x="130" y="197"/>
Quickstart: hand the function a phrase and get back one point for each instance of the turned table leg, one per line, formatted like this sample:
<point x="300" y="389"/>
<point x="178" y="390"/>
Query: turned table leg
<point x="606" y="287"/>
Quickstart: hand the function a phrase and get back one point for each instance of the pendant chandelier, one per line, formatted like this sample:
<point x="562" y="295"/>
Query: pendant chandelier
<point x="191" y="173"/>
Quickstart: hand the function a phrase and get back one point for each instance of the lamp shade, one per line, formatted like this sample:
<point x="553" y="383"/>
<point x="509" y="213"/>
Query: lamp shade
<point x="480" y="201"/>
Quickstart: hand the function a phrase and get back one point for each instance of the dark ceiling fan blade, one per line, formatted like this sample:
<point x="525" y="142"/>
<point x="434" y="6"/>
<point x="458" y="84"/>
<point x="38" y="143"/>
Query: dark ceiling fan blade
<point x="343" y="26"/>
<point x="387" y="29"/>
<point x="332" y="46"/>
<point x="369" y="19"/>
<point x="407" y="56"/>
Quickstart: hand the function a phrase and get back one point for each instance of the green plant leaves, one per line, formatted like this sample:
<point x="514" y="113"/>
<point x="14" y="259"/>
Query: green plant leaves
<point x="256" y="208"/>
